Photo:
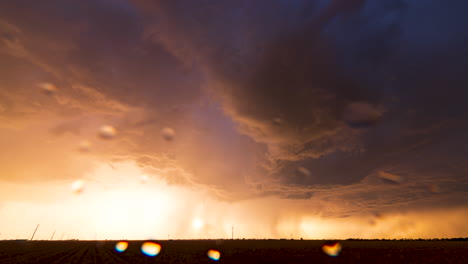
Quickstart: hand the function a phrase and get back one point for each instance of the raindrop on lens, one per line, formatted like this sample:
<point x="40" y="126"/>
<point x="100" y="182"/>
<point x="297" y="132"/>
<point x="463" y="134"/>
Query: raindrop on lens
<point x="214" y="254"/>
<point x="304" y="171"/>
<point x="84" y="146"/>
<point x="390" y="178"/>
<point x="144" y="178"/>
<point x="121" y="246"/>
<point x="433" y="188"/>
<point x="77" y="186"/>
<point x="168" y="133"/>
<point x="150" y="249"/>
<point x="332" y="249"/>
<point x="48" y="88"/>
<point x="278" y="121"/>
<point x="107" y="132"/>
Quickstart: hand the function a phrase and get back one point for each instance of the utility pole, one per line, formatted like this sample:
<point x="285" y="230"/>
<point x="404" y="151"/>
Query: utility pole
<point x="52" y="235"/>
<point x="35" y="231"/>
<point x="232" y="232"/>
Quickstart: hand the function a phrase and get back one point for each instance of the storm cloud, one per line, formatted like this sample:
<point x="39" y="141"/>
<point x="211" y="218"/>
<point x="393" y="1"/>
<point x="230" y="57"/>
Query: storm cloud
<point x="292" y="99"/>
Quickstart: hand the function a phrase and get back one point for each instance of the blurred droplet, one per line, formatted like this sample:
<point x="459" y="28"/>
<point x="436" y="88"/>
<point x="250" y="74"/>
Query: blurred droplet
<point x="144" y="178"/>
<point x="168" y="133"/>
<point x="150" y="249"/>
<point x="433" y="188"/>
<point x="390" y="178"/>
<point x="278" y="121"/>
<point x="84" y="146"/>
<point x="362" y="114"/>
<point x="304" y="171"/>
<point x="214" y="254"/>
<point x="121" y="246"/>
<point x="77" y="186"/>
<point x="107" y="132"/>
<point x="48" y="88"/>
<point x="332" y="249"/>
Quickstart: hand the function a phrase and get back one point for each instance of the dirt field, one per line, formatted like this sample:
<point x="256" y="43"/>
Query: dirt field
<point x="235" y="251"/>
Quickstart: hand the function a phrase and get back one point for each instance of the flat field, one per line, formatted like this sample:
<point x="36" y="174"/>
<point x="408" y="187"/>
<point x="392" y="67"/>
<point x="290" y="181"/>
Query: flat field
<point x="235" y="251"/>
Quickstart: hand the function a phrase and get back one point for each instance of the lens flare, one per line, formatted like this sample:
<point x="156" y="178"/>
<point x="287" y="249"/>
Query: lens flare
<point x="150" y="249"/>
<point x="107" y="132"/>
<point x="121" y="246"/>
<point x="214" y="254"/>
<point x="332" y="250"/>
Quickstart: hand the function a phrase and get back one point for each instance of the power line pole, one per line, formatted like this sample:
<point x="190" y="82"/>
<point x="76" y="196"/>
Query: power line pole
<point x="232" y="232"/>
<point x="52" y="235"/>
<point x="35" y="231"/>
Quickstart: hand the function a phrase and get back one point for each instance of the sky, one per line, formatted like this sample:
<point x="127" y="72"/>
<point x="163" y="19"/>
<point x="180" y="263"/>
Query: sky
<point x="326" y="119"/>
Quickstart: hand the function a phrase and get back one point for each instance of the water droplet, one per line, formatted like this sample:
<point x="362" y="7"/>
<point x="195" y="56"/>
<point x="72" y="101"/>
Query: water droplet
<point x="48" y="88"/>
<point x="168" y="133"/>
<point x="77" y="186"/>
<point x="150" y="249"/>
<point x="332" y="249"/>
<point x="84" y="146"/>
<point x="278" y="121"/>
<point x="362" y="114"/>
<point x="433" y="188"/>
<point x="390" y="177"/>
<point x="304" y="171"/>
<point x="121" y="246"/>
<point x="144" y="178"/>
<point x="107" y="132"/>
<point x="214" y="254"/>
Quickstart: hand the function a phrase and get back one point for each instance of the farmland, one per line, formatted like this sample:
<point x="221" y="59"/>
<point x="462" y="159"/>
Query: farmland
<point x="235" y="251"/>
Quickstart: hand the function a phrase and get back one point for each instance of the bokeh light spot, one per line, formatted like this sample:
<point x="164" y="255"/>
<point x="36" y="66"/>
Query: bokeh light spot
<point x="332" y="250"/>
<point x="150" y="249"/>
<point x="107" y="132"/>
<point x="168" y="133"/>
<point x="214" y="254"/>
<point x="121" y="246"/>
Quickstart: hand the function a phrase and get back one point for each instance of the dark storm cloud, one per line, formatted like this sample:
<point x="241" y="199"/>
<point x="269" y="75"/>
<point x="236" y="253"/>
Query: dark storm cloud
<point x="329" y="93"/>
<point x="335" y="87"/>
<point x="283" y="74"/>
<point x="98" y="44"/>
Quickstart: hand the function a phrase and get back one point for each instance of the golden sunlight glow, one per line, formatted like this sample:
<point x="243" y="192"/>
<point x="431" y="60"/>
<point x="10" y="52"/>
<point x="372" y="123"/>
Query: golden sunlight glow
<point x="197" y="223"/>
